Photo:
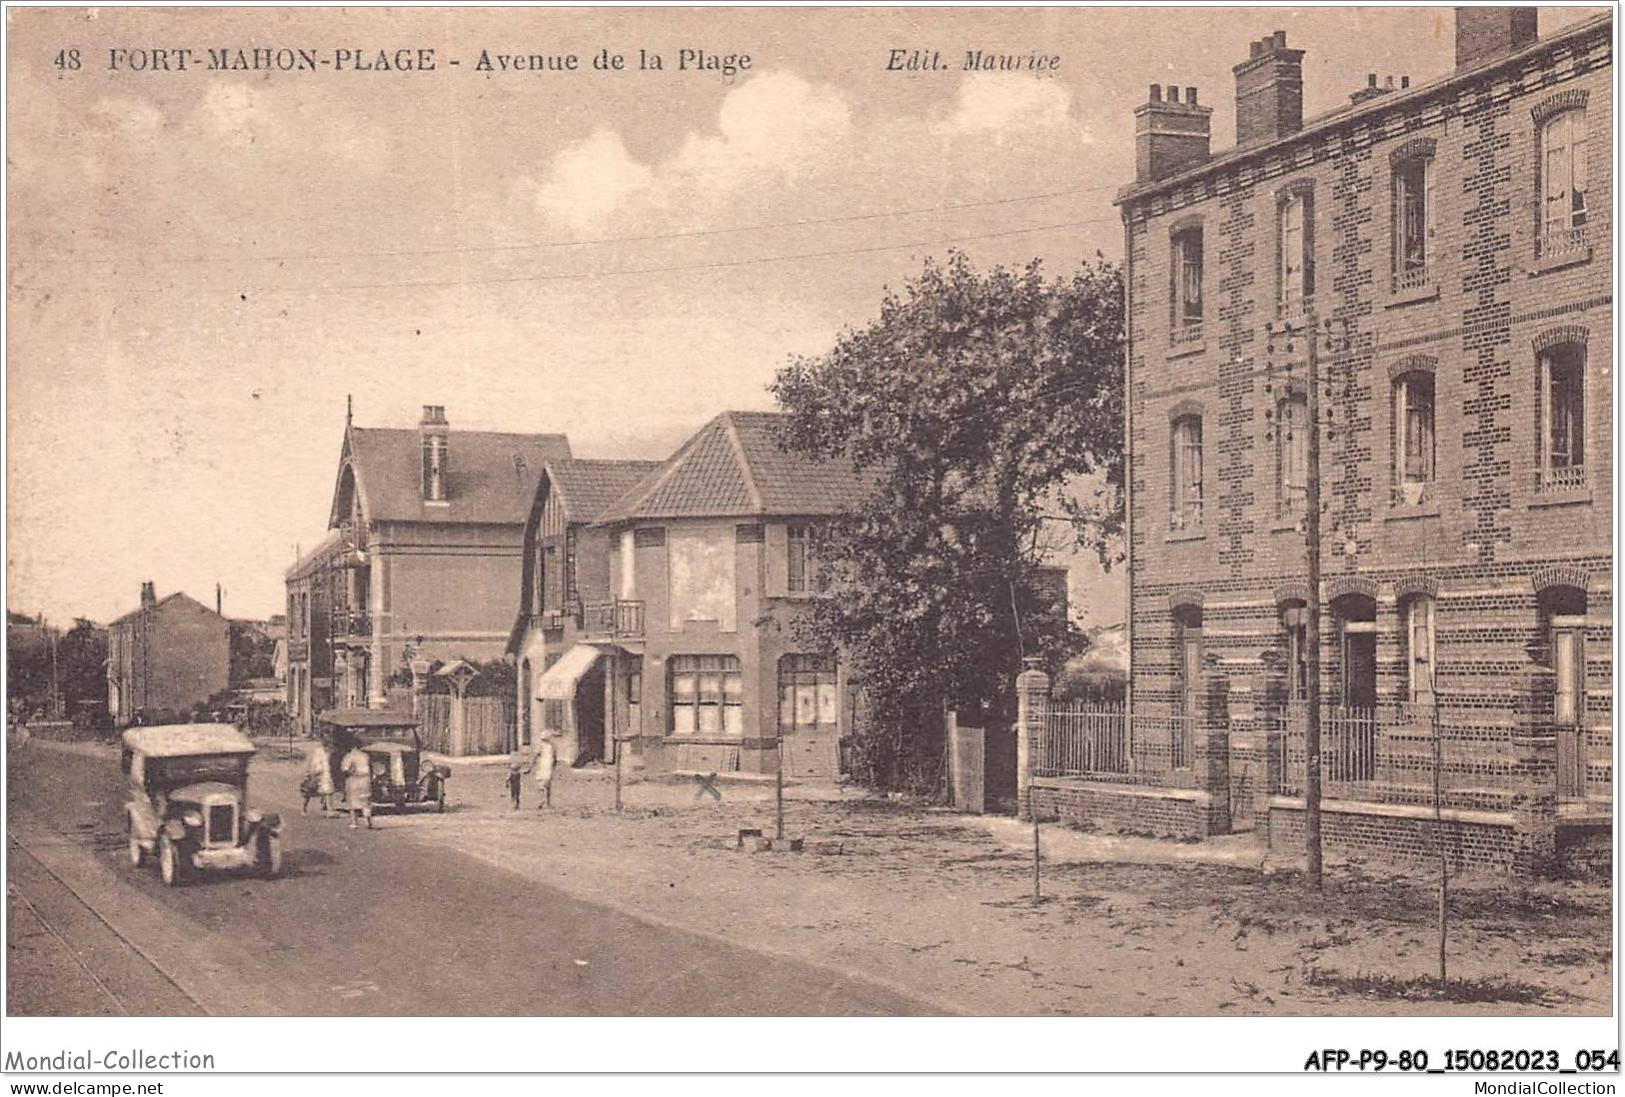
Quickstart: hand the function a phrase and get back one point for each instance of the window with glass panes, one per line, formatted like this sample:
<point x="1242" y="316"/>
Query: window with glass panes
<point x="1187" y="472"/>
<point x="1413" y="218"/>
<point x="707" y="695"/>
<point x="1562" y="374"/>
<point x="796" y="563"/>
<point x="808" y="700"/>
<point x="1187" y="267"/>
<point x="1413" y="429"/>
<point x="1295" y="621"/>
<point x="1564" y="212"/>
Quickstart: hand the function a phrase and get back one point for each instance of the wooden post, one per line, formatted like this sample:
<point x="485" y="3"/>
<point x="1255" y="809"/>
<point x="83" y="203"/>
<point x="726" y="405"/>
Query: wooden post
<point x="778" y="790"/>
<point x="1311" y="779"/>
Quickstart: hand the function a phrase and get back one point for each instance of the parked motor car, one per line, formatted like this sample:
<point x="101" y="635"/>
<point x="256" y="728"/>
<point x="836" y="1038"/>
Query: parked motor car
<point x="188" y="803"/>
<point x="401" y="777"/>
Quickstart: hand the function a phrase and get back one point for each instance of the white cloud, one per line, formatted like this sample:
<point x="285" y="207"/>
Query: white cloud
<point x="997" y="103"/>
<point x="590" y="180"/>
<point x="774" y="127"/>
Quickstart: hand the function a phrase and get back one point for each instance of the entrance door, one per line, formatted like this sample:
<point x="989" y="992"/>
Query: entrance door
<point x="1359" y="667"/>
<point x="589" y="715"/>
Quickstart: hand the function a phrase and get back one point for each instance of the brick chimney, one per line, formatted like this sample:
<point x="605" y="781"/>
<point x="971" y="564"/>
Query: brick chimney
<point x="1170" y="136"/>
<point x="1484" y="33"/>
<point x="1269" y="91"/>
<point x="435" y="433"/>
<point x="149" y="596"/>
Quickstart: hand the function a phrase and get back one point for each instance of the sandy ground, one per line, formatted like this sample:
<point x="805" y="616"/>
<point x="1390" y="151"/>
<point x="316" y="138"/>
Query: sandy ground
<point x="940" y="906"/>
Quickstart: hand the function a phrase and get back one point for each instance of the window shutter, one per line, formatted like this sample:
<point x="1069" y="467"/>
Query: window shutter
<point x="778" y="561"/>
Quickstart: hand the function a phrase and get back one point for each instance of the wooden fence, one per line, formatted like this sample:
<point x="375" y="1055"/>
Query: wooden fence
<point x="488" y="724"/>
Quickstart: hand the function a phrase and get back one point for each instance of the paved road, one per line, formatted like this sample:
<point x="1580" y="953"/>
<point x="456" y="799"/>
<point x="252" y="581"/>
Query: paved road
<point x="362" y="923"/>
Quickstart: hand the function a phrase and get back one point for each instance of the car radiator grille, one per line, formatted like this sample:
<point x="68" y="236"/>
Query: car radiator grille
<point x="222" y="825"/>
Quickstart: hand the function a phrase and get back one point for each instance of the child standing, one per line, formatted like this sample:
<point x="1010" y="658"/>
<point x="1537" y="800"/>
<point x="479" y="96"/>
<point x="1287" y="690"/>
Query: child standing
<point x="513" y="783"/>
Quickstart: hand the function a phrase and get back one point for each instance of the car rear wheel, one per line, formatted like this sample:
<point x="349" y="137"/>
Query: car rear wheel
<point x="170" y="865"/>
<point x="271" y="856"/>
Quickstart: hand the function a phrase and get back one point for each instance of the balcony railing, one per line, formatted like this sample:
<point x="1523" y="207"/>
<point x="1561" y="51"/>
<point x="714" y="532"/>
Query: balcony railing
<point x="1562" y="477"/>
<point x="348" y="624"/>
<point x="620" y="618"/>
<point x="1555" y="242"/>
<point x="1414" y="278"/>
<point x="1295" y="308"/>
<point x="1187" y="520"/>
<point x="1183" y="334"/>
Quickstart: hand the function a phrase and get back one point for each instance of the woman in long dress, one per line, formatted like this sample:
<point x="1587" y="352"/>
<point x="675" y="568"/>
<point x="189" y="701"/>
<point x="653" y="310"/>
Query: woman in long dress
<point x="319" y="779"/>
<point x="357" y="785"/>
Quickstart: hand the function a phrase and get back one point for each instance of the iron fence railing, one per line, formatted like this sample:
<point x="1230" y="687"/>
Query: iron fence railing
<point x="1084" y="739"/>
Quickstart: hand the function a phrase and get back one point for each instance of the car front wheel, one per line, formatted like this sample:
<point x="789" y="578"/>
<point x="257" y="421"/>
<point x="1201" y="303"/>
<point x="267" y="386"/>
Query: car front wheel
<point x="169" y="862"/>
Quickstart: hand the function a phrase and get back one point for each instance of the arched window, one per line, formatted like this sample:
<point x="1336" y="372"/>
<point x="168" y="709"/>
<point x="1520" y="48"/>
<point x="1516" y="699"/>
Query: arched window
<point x="1295" y="623"/>
<point x="1565" y="215"/>
<point x="1561" y="376"/>
<point x="1413" y="436"/>
<point x="1296" y="246"/>
<point x="1185" y="503"/>
<point x="1413" y="219"/>
<point x="1186" y="298"/>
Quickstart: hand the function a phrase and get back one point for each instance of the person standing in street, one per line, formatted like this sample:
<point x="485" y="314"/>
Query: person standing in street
<point x="357" y="785"/>
<point x="318" y="782"/>
<point x="541" y="771"/>
<point x="515" y="778"/>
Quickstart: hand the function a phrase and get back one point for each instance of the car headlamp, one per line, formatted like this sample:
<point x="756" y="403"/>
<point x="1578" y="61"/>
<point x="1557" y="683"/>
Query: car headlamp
<point x="192" y="819"/>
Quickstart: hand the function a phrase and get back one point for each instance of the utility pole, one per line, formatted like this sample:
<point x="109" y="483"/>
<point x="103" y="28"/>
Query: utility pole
<point x="1333" y="333"/>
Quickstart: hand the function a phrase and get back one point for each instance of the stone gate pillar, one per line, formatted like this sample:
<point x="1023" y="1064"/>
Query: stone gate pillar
<point x="1032" y="725"/>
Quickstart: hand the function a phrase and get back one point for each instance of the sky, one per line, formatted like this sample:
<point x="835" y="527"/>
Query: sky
<point x="203" y="265"/>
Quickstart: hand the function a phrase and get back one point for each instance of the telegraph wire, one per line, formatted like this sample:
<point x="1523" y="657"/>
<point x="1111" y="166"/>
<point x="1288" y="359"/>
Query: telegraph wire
<point x="687" y="234"/>
<point x="452" y="283"/>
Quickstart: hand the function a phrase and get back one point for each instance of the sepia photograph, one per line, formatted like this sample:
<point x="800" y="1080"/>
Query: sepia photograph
<point x="802" y="513"/>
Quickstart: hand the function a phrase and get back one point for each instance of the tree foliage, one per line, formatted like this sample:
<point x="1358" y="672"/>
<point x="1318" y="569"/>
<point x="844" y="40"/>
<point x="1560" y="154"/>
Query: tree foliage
<point x="973" y="403"/>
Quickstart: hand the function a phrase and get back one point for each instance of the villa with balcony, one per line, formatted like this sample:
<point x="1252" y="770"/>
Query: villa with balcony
<point x="665" y="625"/>
<point x="419" y="562"/>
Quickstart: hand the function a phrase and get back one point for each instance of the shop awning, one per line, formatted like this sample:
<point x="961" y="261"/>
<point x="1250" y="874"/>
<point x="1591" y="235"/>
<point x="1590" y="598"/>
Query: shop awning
<point x="558" y="683"/>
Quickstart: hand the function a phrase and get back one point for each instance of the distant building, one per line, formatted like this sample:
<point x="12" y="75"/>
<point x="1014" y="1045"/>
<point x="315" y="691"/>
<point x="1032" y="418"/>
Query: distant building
<point x="421" y="560"/>
<point x="681" y="638"/>
<point x="165" y="657"/>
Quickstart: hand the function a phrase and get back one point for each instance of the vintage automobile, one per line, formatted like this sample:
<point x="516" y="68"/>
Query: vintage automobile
<point x="401" y="777"/>
<point x="189" y="802"/>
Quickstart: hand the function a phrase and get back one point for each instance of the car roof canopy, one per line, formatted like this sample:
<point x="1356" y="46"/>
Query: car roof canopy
<point x="180" y="740"/>
<point x="368" y="718"/>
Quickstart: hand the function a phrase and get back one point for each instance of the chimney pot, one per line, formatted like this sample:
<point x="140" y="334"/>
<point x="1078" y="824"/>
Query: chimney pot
<point x="1269" y="91"/>
<point x="1370" y="79"/>
<point x="1170" y="136"/>
<point x="1404" y="81"/>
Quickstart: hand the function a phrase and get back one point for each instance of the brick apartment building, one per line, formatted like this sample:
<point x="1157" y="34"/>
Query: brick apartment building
<point x="680" y="636"/>
<point x="421" y="559"/>
<point x="1459" y="231"/>
<point x="164" y="658"/>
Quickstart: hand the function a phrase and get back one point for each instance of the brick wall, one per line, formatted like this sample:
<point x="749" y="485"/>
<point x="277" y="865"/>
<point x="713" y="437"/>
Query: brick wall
<point x="1487" y="538"/>
<point x="1126" y="809"/>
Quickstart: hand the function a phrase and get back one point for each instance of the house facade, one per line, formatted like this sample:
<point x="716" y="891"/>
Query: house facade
<point x="164" y="658"/>
<point x="1447" y="248"/>
<point x="694" y="636"/>
<point x="420" y="562"/>
<point x="564" y="592"/>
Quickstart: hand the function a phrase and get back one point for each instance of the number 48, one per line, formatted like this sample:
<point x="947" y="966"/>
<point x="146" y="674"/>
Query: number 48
<point x="67" y="60"/>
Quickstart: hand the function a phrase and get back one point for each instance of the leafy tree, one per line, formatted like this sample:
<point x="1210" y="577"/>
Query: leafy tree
<point x="975" y="403"/>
